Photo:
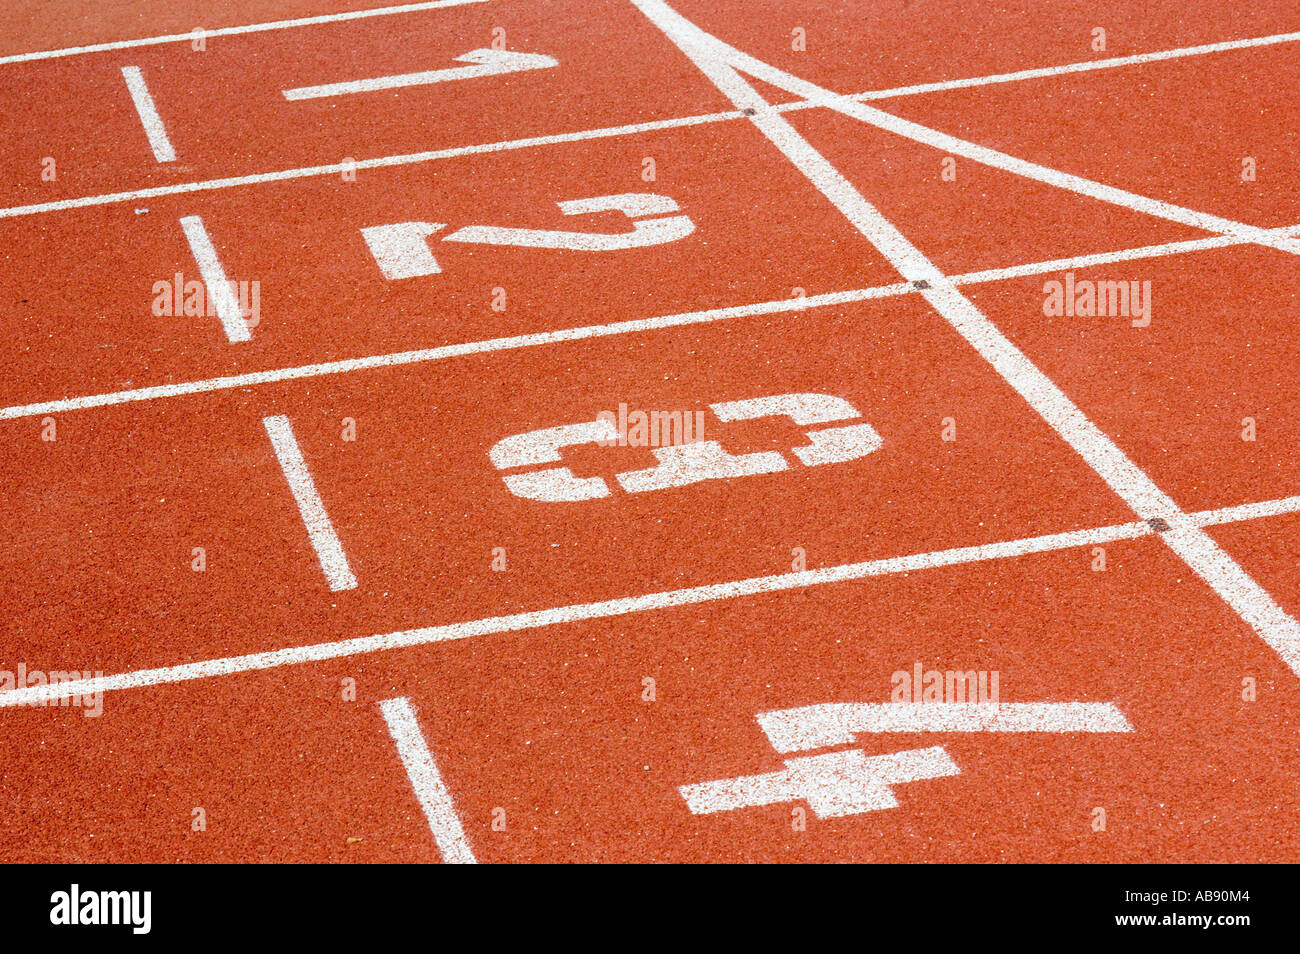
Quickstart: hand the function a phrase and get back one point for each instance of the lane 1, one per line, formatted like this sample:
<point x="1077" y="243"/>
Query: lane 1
<point x="226" y="113"/>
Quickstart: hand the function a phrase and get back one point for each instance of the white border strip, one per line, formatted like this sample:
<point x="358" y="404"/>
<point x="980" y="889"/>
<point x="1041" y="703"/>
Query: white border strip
<point x="427" y="782"/>
<point x="773" y="307"/>
<point x="234" y="31"/>
<point x="318" y="652"/>
<point x="220" y="293"/>
<point x="329" y="550"/>
<point x="148" y="113"/>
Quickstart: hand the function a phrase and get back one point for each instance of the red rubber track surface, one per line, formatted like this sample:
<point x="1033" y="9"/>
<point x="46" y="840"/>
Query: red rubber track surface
<point x="570" y="740"/>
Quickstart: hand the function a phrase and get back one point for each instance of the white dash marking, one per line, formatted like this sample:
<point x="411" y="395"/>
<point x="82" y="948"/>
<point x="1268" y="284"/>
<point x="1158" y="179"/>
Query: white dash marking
<point x="429" y="787"/>
<point x="323" y="538"/>
<point x="220" y="293"/>
<point x="149" y="118"/>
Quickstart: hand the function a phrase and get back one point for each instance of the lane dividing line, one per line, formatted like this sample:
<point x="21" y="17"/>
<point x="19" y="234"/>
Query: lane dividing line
<point x="148" y="113"/>
<point x="383" y="162"/>
<point x="319" y="529"/>
<point x="234" y="31"/>
<point x="1182" y="535"/>
<point x="773" y="307"/>
<point x="429" y="788"/>
<point x="536" y="619"/>
<point x="629" y="129"/>
<point x="1082" y="67"/>
<point x="220" y="293"/>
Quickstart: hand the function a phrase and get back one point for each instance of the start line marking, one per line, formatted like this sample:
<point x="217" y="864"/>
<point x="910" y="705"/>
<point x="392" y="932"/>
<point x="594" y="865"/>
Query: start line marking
<point x="149" y="118"/>
<point x="320" y="530"/>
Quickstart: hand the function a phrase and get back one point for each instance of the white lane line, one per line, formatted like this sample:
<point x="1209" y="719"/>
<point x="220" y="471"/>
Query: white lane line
<point x="1195" y="547"/>
<point x="486" y="62"/>
<point x="629" y="129"/>
<point x="148" y="112"/>
<point x="234" y="31"/>
<point x="334" y="169"/>
<point x="297" y="655"/>
<point x="777" y="306"/>
<point x="1085" y="66"/>
<point x="836" y="723"/>
<point x="429" y="787"/>
<point x="220" y="293"/>
<point x="319" y="528"/>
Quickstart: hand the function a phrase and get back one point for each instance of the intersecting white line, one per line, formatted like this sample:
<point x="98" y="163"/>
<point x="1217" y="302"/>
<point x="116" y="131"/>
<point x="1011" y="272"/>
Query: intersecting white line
<point x="712" y="592"/>
<point x="430" y="790"/>
<point x="333" y="169"/>
<point x="234" y="31"/>
<point x="583" y="332"/>
<point x="720" y="62"/>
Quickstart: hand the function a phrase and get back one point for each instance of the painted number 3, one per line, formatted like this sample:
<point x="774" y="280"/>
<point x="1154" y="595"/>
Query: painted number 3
<point x="683" y="464"/>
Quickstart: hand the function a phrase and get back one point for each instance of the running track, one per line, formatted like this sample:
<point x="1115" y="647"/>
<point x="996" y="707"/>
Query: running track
<point x="293" y="554"/>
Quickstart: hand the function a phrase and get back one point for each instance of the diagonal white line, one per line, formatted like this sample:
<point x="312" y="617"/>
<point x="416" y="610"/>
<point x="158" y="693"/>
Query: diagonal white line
<point x="220" y="294"/>
<point x="1233" y="585"/>
<point x="733" y="589"/>
<point x="320" y="530"/>
<point x="148" y="112"/>
<point x="384" y="162"/>
<point x="430" y="790"/>
<point x="735" y="59"/>
<point x="631" y="326"/>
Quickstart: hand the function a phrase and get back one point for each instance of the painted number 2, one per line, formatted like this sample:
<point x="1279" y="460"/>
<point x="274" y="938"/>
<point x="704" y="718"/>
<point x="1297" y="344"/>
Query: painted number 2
<point x="402" y="250"/>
